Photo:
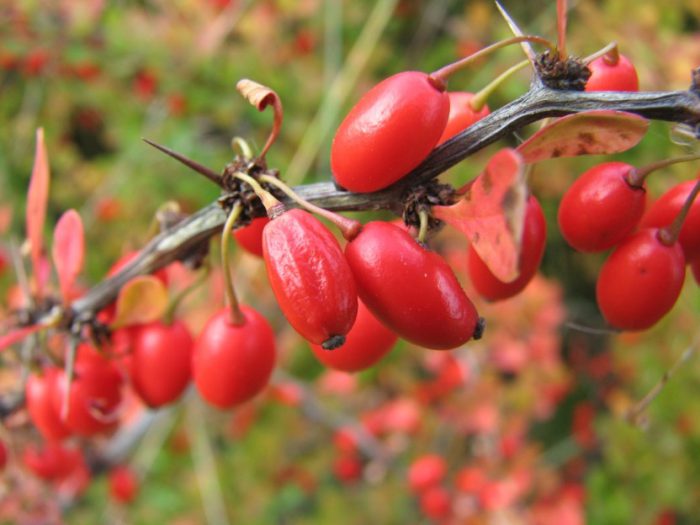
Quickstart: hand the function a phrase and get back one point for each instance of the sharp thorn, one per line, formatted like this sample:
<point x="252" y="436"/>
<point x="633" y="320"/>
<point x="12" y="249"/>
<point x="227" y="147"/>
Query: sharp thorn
<point x="196" y="166"/>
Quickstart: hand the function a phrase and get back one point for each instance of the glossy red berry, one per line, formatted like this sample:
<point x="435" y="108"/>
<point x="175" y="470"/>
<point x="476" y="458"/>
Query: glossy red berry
<point x="3" y="455"/>
<point x="412" y="290"/>
<point x="39" y="394"/>
<point x="662" y="212"/>
<point x="123" y="484"/>
<point x="95" y="394"/>
<point x="161" y="362"/>
<point x="601" y="208"/>
<point x="695" y="268"/>
<point x="250" y="236"/>
<point x="426" y="471"/>
<point x="436" y="503"/>
<point x="462" y="115"/>
<point x="366" y="343"/>
<point x="608" y="74"/>
<point x="532" y="249"/>
<point x="52" y="461"/>
<point x="310" y="277"/>
<point x="389" y="131"/>
<point x="232" y="363"/>
<point x="640" y="281"/>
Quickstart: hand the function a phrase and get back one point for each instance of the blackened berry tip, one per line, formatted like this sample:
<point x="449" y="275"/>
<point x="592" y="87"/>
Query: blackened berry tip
<point x="333" y="342"/>
<point x="479" y="330"/>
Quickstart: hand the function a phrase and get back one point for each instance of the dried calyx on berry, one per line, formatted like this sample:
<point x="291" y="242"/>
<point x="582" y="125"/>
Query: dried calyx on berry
<point x="568" y="73"/>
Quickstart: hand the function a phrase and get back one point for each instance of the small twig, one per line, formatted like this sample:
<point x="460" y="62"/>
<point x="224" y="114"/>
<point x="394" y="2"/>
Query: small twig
<point x="636" y="413"/>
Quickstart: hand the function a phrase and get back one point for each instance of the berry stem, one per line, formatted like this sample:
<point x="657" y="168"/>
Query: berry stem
<point x="241" y="145"/>
<point x="443" y="73"/>
<point x="478" y="101"/>
<point x="670" y="233"/>
<point x="237" y="317"/>
<point x="610" y="52"/>
<point x="561" y="28"/>
<point x="423" y="229"/>
<point x="636" y="176"/>
<point x="176" y="301"/>
<point x="349" y="228"/>
<point x="269" y="201"/>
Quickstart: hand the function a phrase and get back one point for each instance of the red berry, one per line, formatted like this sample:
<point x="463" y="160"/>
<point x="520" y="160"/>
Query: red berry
<point x="531" y="252"/>
<point x="52" y="461"/>
<point x="470" y="480"/>
<point x="123" y="484"/>
<point x="310" y="277"/>
<point x="695" y="267"/>
<point x="161" y="362"/>
<point x="410" y="289"/>
<point x="640" y="281"/>
<point x="662" y="212"/>
<point x="389" y="131"/>
<point x="250" y="236"/>
<point x="347" y="468"/>
<point x="462" y="115"/>
<point x="366" y="343"/>
<point x="609" y="75"/>
<point x="436" y="503"/>
<point x="601" y="208"/>
<point x="425" y="472"/>
<point x="3" y="455"/>
<point x="39" y="394"/>
<point x="95" y="394"/>
<point x="232" y="363"/>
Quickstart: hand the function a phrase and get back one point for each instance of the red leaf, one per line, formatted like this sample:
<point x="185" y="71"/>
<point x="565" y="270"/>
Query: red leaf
<point x="492" y="212"/>
<point x="17" y="335"/>
<point x="597" y="132"/>
<point x="142" y="300"/>
<point x="37" y="198"/>
<point x="68" y="250"/>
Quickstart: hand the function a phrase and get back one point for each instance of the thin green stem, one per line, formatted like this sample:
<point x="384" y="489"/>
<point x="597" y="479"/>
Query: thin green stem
<point x="176" y="301"/>
<point x="240" y="144"/>
<point x="637" y="176"/>
<point x="268" y="200"/>
<point x="423" y="230"/>
<point x="443" y="73"/>
<point x="610" y="51"/>
<point x="348" y="227"/>
<point x="478" y="101"/>
<point x="237" y="317"/>
<point x="670" y="233"/>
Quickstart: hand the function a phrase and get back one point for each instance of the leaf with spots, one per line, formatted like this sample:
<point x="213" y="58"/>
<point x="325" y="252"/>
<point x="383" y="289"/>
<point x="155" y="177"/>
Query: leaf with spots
<point x="491" y="213"/>
<point x="598" y="132"/>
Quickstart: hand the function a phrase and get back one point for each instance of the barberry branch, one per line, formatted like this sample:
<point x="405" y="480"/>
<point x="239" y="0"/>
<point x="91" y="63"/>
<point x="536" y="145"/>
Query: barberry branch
<point x="189" y="238"/>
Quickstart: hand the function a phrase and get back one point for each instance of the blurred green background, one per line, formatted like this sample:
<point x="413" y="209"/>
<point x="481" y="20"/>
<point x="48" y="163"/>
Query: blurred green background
<point x="99" y="76"/>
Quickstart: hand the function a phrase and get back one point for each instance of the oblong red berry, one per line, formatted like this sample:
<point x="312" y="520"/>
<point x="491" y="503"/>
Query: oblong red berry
<point x="461" y="115"/>
<point x="532" y="249"/>
<point x="310" y="277"/>
<point x="600" y="208"/>
<point x="161" y="362"/>
<point x="39" y="394"/>
<point x="608" y="76"/>
<point x="662" y="212"/>
<point x="640" y="281"/>
<point x="366" y="343"/>
<point x="232" y="363"/>
<point x="392" y="128"/>
<point x="410" y="289"/>
<point x="250" y="236"/>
